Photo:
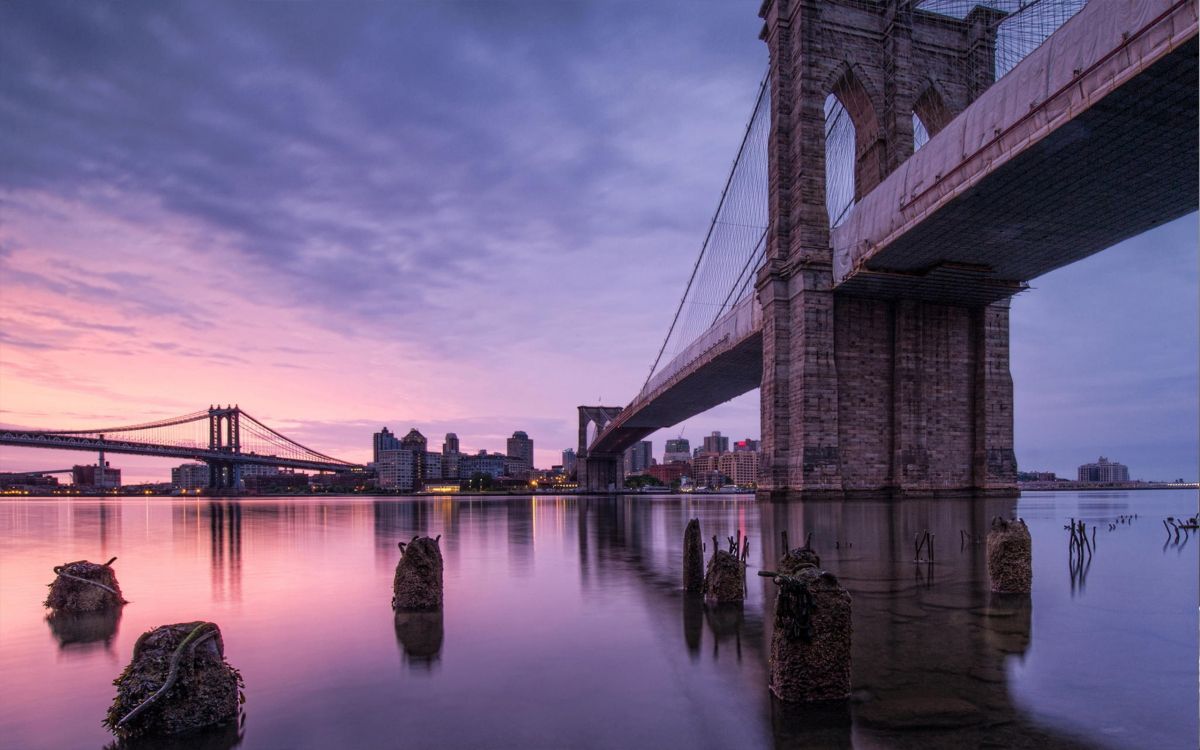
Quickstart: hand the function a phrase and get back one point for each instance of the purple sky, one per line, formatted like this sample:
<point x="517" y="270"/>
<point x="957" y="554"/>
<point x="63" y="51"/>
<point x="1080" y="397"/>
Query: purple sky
<point x="458" y="217"/>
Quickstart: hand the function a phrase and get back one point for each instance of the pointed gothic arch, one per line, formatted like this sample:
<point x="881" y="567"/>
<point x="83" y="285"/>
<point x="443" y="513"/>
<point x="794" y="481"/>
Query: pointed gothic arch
<point x="854" y="147"/>
<point x="931" y="110"/>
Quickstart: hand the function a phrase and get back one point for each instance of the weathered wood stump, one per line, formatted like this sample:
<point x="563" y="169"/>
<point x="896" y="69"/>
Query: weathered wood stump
<point x="693" y="557"/>
<point x="83" y="586"/>
<point x="1010" y="557"/>
<point x="725" y="579"/>
<point x="810" y="646"/>
<point x="178" y="681"/>
<point x="417" y="585"/>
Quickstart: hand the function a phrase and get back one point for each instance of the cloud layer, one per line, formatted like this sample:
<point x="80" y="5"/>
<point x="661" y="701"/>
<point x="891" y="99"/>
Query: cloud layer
<point x="462" y="217"/>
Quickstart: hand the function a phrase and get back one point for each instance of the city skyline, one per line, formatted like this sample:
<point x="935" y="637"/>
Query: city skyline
<point x="261" y="236"/>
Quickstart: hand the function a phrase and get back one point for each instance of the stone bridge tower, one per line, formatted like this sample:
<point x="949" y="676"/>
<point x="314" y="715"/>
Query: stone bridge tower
<point x="871" y="395"/>
<point x="598" y="472"/>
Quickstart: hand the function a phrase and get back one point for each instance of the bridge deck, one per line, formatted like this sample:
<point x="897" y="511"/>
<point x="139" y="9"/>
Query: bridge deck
<point x="1089" y="140"/>
<point x="722" y="364"/>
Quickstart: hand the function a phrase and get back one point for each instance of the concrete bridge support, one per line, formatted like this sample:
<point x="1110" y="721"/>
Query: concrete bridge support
<point x="864" y="395"/>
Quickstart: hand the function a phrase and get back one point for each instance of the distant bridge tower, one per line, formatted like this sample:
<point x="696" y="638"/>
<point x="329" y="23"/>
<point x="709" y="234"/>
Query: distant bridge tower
<point x="598" y="472"/>
<point x="224" y="435"/>
<point x="871" y="394"/>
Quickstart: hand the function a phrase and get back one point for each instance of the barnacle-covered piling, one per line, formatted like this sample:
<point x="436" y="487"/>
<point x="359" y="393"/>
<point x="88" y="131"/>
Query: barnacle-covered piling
<point x="810" y="645"/>
<point x="417" y="585"/>
<point x="83" y="586"/>
<point x="177" y="681"/>
<point x="1010" y="557"/>
<point x="725" y="578"/>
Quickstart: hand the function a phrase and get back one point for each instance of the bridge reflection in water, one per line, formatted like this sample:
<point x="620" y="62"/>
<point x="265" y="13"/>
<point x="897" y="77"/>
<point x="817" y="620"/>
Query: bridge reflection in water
<point x="565" y="622"/>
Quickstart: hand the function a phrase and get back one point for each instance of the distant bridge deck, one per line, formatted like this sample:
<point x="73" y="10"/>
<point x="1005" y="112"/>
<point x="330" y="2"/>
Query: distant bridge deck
<point x="1090" y="140"/>
<point x="35" y="439"/>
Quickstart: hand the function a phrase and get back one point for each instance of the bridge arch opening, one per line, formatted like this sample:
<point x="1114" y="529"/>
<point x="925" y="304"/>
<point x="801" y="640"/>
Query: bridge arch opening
<point x="853" y="146"/>
<point x="930" y="115"/>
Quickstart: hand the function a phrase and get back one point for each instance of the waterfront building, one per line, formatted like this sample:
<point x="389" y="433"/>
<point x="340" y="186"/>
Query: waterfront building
<point x="638" y="458"/>
<point x="705" y="463"/>
<point x="415" y="442"/>
<point x="516" y="468"/>
<point x="569" y="462"/>
<point x="189" y="477"/>
<point x="395" y="470"/>
<point x="1104" y="471"/>
<point x="741" y="467"/>
<point x="672" y="472"/>
<point x="716" y="443"/>
<point x="747" y="445"/>
<point x="678" y="449"/>
<point x="450" y="445"/>
<point x="26" y="482"/>
<point x="450" y="464"/>
<point x="492" y="464"/>
<point x="92" y="475"/>
<point x="383" y="440"/>
<point x="433" y="466"/>
<point x="520" y="450"/>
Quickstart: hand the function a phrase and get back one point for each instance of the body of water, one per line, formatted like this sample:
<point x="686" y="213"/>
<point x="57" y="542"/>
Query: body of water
<point x="565" y="625"/>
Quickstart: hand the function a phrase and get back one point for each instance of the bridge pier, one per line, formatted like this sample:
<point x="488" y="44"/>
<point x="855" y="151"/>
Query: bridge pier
<point x="601" y="472"/>
<point x="883" y="397"/>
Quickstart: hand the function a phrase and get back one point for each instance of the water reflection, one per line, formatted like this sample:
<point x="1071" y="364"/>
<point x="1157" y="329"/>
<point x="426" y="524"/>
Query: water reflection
<point x="420" y="636"/>
<point x="821" y="725"/>
<point x="693" y="622"/>
<point x="225" y="549"/>
<point x="566" y="612"/>
<point x="82" y="632"/>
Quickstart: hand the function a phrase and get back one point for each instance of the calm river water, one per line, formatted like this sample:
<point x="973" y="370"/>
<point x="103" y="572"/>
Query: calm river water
<point x="565" y="625"/>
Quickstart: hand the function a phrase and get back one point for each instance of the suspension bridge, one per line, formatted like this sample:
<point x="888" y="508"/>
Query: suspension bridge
<point x="908" y="167"/>
<point x="227" y="439"/>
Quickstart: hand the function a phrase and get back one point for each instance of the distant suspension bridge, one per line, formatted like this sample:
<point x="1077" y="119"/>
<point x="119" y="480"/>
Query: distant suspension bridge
<point x="225" y="438"/>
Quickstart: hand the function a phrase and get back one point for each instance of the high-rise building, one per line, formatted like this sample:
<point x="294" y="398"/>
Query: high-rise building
<point x="746" y="445"/>
<point x="450" y="445"/>
<point x="384" y="441"/>
<point x="433" y="466"/>
<point x="1104" y="471"/>
<point x="520" y="448"/>
<point x="395" y="470"/>
<point x="715" y="443"/>
<point x="415" y="442"/>
<point x="189" y="477"/>
<point x="450" y="465"/>
<point x="678" y="449"/>
<point x="569" y="463"/>
<point x="638" y="458"/>
<point x="740" y="467"/>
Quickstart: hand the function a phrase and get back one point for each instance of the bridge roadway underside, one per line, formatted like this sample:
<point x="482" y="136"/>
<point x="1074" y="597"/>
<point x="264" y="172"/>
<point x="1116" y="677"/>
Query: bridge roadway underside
<point x="1126" y="164"/>
<point x="726" y="375"/>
